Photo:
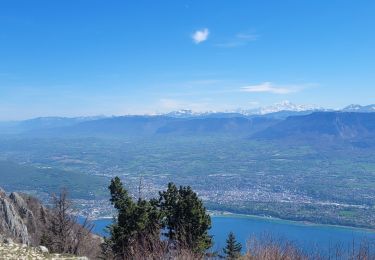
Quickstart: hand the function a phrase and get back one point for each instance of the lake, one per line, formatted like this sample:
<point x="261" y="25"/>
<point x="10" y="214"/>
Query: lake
<point x="302" y="234"/>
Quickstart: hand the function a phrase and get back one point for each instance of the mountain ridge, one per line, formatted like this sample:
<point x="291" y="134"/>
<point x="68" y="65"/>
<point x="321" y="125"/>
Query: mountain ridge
<point x="181" y="122"/>
<point x="338" y="125"/>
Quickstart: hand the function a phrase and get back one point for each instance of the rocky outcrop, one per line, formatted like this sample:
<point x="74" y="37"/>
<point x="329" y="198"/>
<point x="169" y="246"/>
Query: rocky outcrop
<point x="11" y="223"/>
<point x="26" y="222"/>
<point x="20" y="217"/>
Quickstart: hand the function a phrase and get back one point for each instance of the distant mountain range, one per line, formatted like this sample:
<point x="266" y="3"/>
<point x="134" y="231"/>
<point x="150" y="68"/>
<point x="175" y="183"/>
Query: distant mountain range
<point x="340" y="125"/>
<point x="16" y="127"/>
<point x="282" y="109"/>
<point x="283" y="121"/>
<point x="212" y="125"/>
<point x="282" y="106"/>
<point x="278" y="107"/>
<point x="358" y="108"/>
<point x="142" y="126"/>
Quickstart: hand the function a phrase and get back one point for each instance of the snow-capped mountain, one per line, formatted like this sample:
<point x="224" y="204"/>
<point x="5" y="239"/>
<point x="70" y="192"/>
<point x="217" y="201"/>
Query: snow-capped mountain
<point x="359" y="108"/>
<point x="287" y="107"/>
<point x="184" y="113"/>
<point x="278" y="107"/>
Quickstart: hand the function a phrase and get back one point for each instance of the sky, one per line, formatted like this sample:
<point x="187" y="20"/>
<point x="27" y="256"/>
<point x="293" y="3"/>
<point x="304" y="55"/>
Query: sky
<point x="96" y="57"/>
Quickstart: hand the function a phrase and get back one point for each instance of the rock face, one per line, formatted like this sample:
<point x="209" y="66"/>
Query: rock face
<point x="20" y="217"/>
<point x="11" y="223"/>
<point x="24" y="225"/>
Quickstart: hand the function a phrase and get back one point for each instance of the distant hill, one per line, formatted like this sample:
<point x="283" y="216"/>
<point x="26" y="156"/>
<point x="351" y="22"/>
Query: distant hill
<point x="337" y="125"/>
<point x="234" y="125"/>
<point x="283" y="114"/>
<point x="41" y="123"/>
<point x="47" y="180"/>
<point x="139" y="126"/>
<point x="115" y="126"/>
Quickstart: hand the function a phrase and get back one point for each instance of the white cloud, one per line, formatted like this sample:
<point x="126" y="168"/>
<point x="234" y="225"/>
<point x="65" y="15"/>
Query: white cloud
<point x="241" y="39"/>
<point x="268" y="87"/>
<point x="247" y="36"/>
<point x="200" y="35"/>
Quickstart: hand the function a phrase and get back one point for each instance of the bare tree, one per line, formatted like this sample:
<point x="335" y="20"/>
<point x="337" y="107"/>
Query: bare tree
<point x="64" y="233"/>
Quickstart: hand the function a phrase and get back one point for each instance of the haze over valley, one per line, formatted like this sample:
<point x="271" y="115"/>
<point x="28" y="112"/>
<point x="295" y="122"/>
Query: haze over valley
<point x="290" y="164"/>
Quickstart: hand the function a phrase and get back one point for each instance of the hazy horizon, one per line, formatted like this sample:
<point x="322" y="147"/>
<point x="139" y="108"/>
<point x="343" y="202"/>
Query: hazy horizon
<point x="254" y="110"/>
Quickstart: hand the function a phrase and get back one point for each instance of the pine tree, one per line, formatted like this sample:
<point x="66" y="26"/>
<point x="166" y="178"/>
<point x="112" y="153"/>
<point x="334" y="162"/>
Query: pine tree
<point x="136" y="228"/>
<point x="233" y="248"/>
<point x="186" y="220"/>
<point x="135" y="232"/>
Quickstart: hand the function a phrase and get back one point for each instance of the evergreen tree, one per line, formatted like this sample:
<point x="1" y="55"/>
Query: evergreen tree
<point x="136" y="228"/>
<point x="185" y="218"/>
<point x="135" y="232"/>
<point x="233" y="248"/>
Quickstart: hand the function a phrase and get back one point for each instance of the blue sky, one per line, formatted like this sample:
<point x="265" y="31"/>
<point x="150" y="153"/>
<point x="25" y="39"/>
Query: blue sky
<point x="95" y="57"/>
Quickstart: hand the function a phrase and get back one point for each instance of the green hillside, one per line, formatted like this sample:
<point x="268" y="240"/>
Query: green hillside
<point x="18" y="177"/>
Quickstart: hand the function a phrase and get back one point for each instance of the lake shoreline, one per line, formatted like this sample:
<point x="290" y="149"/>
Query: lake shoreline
<point x="215" y="213"/>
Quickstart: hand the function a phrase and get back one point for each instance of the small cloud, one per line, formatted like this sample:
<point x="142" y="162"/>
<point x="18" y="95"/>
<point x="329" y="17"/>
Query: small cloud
<point x="247" y="36"/>
<point x="240" y="39"/>
<point x="232" y="44"/>
<point x="268" y="87"/>
<point x="200" y="36"/>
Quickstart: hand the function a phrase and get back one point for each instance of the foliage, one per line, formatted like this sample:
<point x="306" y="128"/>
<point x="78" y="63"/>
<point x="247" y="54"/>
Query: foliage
<point x="233" y="248"/>
<point x="135" y="231"/>
<point x="185" y="218"/>
<point x="137" y="226"/>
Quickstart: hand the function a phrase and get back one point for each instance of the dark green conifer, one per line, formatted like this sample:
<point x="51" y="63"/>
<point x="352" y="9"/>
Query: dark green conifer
<point x="136" y="228"/>
<point x="185" y="218"/>
<point x="135" y="232"/>
<point x="233" y="248"/>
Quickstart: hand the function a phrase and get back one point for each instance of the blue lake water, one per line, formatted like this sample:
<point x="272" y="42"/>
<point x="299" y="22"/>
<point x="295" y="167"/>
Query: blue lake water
<point x="303" y="235"/>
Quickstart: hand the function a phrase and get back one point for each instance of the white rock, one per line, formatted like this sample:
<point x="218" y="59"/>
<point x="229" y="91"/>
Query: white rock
<point x="43" y="249"/>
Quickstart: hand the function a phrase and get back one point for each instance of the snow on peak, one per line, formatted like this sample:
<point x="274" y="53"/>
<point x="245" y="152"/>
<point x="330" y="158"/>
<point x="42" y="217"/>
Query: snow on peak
<point x="277" y="107"/>
<point x="359" y="108"/>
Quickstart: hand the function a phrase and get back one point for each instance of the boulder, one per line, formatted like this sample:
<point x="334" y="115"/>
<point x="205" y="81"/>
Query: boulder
<point x="43" y="249"/>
